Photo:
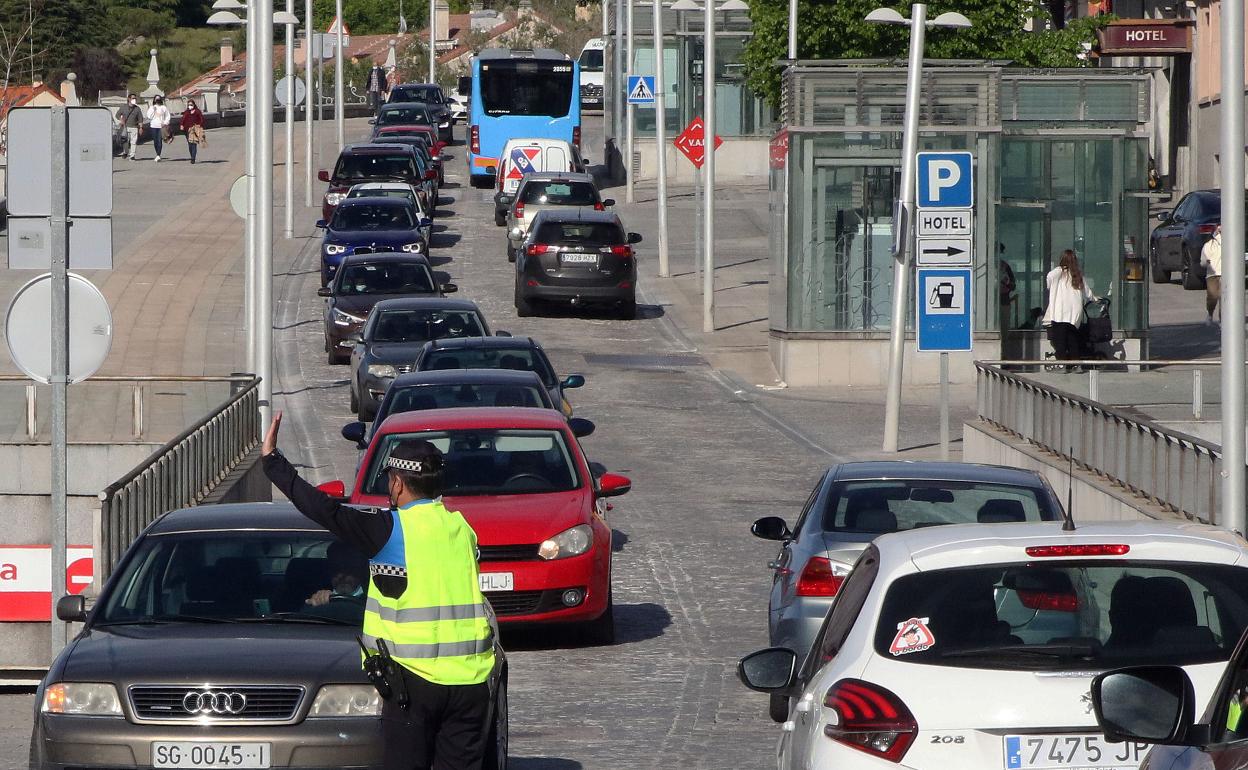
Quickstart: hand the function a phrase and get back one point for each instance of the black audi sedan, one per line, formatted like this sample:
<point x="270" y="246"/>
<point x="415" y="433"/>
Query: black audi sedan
<point x="226" y="637"/>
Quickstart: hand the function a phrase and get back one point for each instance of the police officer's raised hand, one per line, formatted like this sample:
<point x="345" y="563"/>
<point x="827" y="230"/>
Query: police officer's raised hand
<point x="270" y="438"/>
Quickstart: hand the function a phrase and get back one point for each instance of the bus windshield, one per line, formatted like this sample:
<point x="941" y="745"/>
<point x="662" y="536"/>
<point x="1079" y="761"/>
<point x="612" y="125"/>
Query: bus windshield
<point x="526" y="88"/>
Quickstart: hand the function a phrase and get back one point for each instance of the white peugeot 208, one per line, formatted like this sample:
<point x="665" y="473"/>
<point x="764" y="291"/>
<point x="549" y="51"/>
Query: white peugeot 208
<point x="974" y="646"/>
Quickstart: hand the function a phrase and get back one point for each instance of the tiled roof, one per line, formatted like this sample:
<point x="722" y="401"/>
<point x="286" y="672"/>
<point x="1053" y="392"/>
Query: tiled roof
<point x="16" y="96"/>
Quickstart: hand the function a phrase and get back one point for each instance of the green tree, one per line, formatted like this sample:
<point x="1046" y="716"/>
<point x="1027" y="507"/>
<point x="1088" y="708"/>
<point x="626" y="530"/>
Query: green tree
<point x="373" y="17"/>
<point x="837" y="30"/>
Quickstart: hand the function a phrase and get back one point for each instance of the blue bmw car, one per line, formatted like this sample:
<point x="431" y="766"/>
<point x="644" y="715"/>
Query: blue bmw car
<point x="367" y="226"/>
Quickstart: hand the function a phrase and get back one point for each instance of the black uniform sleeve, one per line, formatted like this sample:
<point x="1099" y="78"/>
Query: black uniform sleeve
<point x="367" y="531"/>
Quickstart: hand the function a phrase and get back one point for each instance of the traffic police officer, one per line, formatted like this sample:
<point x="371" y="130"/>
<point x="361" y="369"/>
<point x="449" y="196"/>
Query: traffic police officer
<point x="424" y="605"/>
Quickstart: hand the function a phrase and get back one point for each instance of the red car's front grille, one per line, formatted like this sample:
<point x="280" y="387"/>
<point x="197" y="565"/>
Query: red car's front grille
<point x="508" y="552"/>
<point x="515" y="602"/>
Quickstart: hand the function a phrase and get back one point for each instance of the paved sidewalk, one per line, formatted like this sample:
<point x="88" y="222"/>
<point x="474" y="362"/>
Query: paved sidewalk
<point x="844" y="422"/>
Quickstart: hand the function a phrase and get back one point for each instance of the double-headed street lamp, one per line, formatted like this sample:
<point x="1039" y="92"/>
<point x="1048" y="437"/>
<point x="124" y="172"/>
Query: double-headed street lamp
<point x="904" y="218"/>
<point x="258" y="278"/>
<point x="708" y="144"/>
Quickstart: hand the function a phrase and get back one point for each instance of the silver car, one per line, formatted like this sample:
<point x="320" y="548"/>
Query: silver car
<point x="854" y="503"/>
<point x="543" y="190"/>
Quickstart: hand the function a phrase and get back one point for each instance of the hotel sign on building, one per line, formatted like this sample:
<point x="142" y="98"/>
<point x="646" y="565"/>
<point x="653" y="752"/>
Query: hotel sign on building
<point x="1146" y="37"/>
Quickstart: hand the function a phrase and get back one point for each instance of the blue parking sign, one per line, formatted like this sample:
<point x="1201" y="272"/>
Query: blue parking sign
<point x="943" y="299"/>
<point x="946" y="180"/>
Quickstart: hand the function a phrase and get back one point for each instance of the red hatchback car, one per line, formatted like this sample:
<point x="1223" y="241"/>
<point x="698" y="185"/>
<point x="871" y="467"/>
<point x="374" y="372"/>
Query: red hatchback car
<point x="521" y="480"/>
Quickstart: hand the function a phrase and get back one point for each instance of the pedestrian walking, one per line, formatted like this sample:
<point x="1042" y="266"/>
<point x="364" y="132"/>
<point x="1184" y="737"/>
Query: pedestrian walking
<point x="376" y="84"/>
<point x="157" y="121"/>
<point x="131" y="118"/>
<point x="1068" y="293"/>
<point x="193" y="126"/>
<point x="424" y="605"/>
<point x="1211" y="259"/>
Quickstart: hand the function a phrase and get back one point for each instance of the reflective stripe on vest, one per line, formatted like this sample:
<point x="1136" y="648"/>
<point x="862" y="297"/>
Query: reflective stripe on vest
<point x="436" y="650"/>
<point x="440" y="627"/>
<point x="426" y="614"/>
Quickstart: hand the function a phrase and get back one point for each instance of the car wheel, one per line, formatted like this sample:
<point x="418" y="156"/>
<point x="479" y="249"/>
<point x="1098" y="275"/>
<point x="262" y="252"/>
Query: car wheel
<point x="601" y="630"/>
<point x="524" y="305"/>
<point x="500" y="218"/>
<point x="511" y="253"/>
<point x="1191" y="281"/>
<point x="627" y="311"/>
<point x="355" y="401"/>
<point x="366" y="413"/>
<point x="496" y="743"/>
<point x="778" y="708"/>
<point x="1159" y="275"/>
<point x="334" y="358"/>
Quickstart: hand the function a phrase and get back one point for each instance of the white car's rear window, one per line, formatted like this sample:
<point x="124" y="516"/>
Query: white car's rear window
<point x="1067" y="614"/>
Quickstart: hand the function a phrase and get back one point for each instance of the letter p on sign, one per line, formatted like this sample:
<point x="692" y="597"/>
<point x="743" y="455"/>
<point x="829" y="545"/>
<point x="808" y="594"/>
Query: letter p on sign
<point x="945" y="180"/>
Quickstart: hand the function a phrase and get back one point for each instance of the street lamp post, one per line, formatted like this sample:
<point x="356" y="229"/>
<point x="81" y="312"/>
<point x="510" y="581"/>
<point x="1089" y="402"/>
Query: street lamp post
<point x="310" y="102"/>
<point x="288" y="222"/>
<point x="433" y="41"/>
<point x="660" y="135"/>
<point x="630" y="115"/>
<point x="339" y="91"/>
<point x="708" y="148"/>
<point x="918" y="24"/>
<point x="260" y="187"/>
<point x="1232" y="130"/>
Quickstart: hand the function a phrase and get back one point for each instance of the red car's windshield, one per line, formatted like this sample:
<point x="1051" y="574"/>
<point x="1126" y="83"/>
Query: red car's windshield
<point x="488" y="461"/>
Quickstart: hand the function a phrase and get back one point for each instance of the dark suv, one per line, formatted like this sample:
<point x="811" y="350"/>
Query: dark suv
<point x="1177" y="241"/>
<point x="578" y="256"/>
<point x="370" y="163"/>
<point x="214" y="645"/>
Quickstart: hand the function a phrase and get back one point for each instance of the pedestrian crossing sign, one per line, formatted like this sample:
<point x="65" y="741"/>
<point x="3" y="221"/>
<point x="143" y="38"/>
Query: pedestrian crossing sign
<point x="641" y="89"/>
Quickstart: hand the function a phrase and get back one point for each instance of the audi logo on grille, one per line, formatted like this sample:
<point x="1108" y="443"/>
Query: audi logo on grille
<point x="214" y="702"/>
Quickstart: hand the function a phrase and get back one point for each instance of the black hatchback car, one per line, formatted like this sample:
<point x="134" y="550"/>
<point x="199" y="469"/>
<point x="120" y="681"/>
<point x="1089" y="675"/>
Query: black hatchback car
<point x="579" y="257"/>
<point x="1176" y="242"/>
<point x="371" y="163"/>
<point x="522" y="354"/>
<point x="431" y="96"/>
<point x="226" y="637"/>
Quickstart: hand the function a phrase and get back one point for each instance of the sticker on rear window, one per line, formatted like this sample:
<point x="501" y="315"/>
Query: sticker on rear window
<point x="913" y="635"/>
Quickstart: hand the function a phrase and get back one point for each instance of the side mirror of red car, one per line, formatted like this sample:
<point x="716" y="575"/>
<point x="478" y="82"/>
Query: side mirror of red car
<point x="334" y="489"/>
<point x="322" y="175"/>
<point x="613" y="485"/>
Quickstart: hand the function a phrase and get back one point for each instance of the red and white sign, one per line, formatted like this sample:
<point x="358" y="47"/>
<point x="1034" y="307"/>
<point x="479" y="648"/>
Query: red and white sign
<point x="913" y="635"/>
<point x="691" y="142"/>
<point x="778" y="150"/>
<point x="26" y="579"/>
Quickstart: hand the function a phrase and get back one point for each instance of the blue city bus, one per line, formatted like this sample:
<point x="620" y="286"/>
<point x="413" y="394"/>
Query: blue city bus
<point x="520" y="94"/>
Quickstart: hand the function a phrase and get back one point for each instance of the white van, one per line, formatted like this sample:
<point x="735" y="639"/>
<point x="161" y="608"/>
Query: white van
<point x="524" y="156"/>
<point x="592" y="71"/>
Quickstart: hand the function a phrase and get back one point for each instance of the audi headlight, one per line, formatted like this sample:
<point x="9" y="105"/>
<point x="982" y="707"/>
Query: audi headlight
<point x="333" y="249"/>
<point x="413" y="248"/>
<point x="382" y="370"/>
<point x="345" y="319"/>
<point x="570" y="542"/>
<point x="346" y="700"/>
<point x="334" y="199"/>
<point x="88" y="699"/>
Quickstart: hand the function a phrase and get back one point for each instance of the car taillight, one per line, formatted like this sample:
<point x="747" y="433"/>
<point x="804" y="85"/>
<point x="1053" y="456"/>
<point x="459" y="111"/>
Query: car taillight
<point x="475" y="141"/>
<point x="1048" y="600"/>
<point x="870" y="719"/>
<point x="1097" y="549"/>
<point x="576" y="136"/>
<point x="622" y="251"/>
<point x="536" y="249"/>
<point x="1206" y="229"/>
<point x="818" y="578"/>
<point x="599" y="207"/>
<point x="518" y="211"/>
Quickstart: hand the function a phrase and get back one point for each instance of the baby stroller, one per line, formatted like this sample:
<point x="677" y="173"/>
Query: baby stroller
<point x="1096" y="330"/>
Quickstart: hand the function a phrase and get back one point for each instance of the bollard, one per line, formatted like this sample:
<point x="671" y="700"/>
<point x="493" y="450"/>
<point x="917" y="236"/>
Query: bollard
<point x="137" y="410"/>
<point x="1094" y="384"/>
<point x="32" y="421"/>
<point x="1198" y="395"/>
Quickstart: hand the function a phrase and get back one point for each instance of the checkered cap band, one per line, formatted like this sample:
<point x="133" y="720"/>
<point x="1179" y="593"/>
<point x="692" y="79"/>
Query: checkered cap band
<point x="411" y="466"/>
<point x="391" y="570"/>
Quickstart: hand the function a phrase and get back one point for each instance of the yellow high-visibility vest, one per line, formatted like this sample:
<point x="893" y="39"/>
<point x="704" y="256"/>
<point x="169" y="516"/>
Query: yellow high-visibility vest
<point x="440" y="626"/>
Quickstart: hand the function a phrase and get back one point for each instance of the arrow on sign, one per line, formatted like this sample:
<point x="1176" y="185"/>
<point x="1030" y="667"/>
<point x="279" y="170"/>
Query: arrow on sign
<point x="947" y="251"/>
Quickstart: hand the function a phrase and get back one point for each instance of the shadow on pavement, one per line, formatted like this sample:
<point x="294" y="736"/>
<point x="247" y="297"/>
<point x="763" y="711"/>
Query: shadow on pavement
<point x="633" y="623"/>
<point x="618" y="540"/>
<point x="1184" y="341"/>
<point x="542" y="763"/>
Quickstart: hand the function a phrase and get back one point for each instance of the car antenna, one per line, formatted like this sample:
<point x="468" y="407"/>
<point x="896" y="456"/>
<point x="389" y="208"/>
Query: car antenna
<point x="1069" y="524"/>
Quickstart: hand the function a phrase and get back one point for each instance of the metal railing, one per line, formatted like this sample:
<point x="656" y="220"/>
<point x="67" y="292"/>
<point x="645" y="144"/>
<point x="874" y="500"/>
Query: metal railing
<point x="1170" y="468"/>
<point x="179" y="474"/>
